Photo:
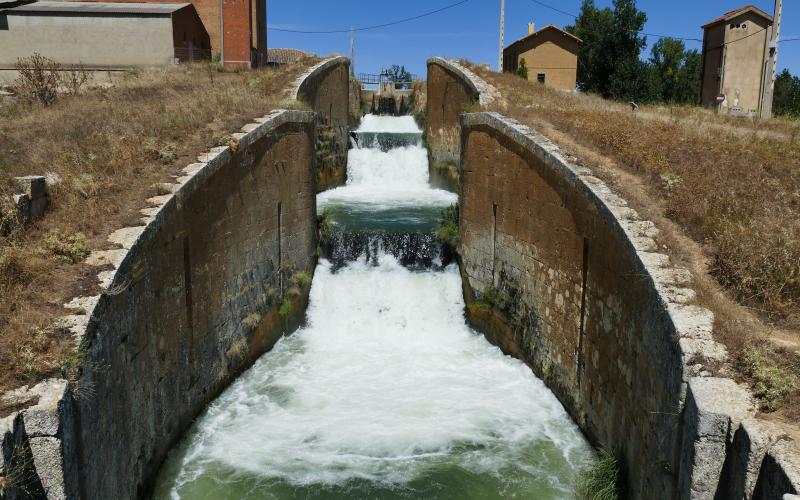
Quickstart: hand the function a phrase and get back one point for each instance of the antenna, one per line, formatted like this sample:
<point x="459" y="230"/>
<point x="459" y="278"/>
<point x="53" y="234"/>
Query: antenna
<point x="502" y="33"/>
<point x="352" y="52"/>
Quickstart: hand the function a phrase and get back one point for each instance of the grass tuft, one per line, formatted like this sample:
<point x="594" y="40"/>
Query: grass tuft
<point x="602" y="480"/>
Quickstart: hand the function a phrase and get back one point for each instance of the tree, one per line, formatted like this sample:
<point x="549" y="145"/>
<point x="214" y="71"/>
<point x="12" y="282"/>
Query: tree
<point x="688" y="89"/>
<point x="786" y="97"/>
<point x="398" y="75"/>
<point x="677" y="69"/>
<point x="522" y="69"/>
<point x="610" y="49"/>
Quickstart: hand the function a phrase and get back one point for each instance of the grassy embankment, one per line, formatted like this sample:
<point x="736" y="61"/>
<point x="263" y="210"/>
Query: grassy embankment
<point x="109" y="149"/>
<point x="726" y="194"/>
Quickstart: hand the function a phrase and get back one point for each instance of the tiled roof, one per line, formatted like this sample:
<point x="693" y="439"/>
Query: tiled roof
<point x="735" y="12"/>
<point x="100" y="7"/>
<point x="548" y="27"/>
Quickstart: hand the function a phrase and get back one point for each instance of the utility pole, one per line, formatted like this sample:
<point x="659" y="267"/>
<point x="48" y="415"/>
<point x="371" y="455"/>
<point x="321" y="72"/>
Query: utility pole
<point x="772" y="62"/>
<point x="352" y="52"/>
<point x="502" y="33"/>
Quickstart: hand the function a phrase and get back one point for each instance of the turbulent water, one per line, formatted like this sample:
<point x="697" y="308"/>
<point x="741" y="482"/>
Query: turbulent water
<point x="386" y="392"/>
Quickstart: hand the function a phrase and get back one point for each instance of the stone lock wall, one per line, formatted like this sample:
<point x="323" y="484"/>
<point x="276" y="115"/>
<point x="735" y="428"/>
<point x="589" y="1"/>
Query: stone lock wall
<point x="580" y="307"/>
<point x="189" y="299"/>
<point x="451" y="89"/>
<point x="561" y="273"/>
<point x="326" y="88"/>
<point x="194" y="301"/>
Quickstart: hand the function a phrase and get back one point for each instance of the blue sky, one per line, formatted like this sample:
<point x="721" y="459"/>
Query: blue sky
<point x="471" y="30"/>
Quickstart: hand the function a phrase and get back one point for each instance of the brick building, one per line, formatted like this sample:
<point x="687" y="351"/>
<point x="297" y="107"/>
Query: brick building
<point x="550" y="54"/>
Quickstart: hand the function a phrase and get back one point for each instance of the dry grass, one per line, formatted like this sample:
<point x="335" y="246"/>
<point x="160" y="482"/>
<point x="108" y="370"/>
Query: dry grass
<point x="732" y="186"/>
<point x="108" y="148"/>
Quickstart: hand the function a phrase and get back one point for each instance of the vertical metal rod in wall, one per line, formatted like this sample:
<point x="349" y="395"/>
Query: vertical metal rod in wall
<point x="222" y="32"/>
<point x="494" y="240"/>
<point x="581" y="331"/>
<point x="280" y="249"/>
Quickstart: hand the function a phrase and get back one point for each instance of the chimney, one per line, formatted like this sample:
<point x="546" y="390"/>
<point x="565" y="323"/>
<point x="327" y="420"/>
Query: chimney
<point x="531" y="28"/>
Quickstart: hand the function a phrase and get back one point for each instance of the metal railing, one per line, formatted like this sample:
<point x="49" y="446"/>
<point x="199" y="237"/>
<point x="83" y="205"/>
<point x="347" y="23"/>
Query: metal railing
<point x="373" y="79"/>
<point x="192" y="54"/>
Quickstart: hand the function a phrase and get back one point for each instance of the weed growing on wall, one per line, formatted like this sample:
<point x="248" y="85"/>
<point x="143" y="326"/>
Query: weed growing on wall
<point x="447" y="232"/>
<point x="602" y="480"/>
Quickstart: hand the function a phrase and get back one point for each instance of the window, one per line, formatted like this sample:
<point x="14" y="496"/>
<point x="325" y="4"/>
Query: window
<point x="744" y="26"/>
<point x="540" y="77"/>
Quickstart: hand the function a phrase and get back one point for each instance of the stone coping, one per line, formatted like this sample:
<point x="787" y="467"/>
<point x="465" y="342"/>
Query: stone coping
<point x="692" y="325"/>
<point x="486" y="92"/>
<point x="314" y="71"/>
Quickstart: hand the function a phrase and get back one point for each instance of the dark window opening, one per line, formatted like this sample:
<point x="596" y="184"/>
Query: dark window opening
<point x="540" y="77"/>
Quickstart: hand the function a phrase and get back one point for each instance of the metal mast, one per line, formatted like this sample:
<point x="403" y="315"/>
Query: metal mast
<point x="502" y="33"/>
<point x="772" y="62"/>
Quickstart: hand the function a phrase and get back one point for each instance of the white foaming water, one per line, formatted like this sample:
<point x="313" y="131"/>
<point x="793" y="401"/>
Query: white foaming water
<point x="395" y="124"/>
<point x="387" y="179"/>
<point x="386" y="392"/>
<point x="385" y="384"/>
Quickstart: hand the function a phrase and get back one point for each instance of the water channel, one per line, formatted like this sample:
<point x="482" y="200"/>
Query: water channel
<point x="385" y="392"/>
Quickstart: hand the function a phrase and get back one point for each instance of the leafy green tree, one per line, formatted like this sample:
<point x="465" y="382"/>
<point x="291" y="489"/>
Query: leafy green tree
<point x="595" y="62"/>
<point x="688" y="89"/>
<point x="786" y="97"/>
<point x="677" y="69"/>
<point x="522" y="69"/>
<point x="667" y="60"/>
<point x="636" y="80"/>
<point x="610" y="50"/>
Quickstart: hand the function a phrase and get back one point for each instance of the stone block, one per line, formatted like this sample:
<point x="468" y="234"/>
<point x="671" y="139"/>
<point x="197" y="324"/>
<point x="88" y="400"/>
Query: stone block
<point x="35" y="186"/>
<point x="744" y="458"/>
<point x="714" y="409"/>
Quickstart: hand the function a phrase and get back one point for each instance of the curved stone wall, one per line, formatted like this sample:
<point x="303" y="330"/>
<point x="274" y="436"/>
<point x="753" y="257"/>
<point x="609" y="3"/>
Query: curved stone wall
<point x="560" y="272"/>
<point x="451" y="89"/>
<point x="325" y="87"/>
<point x="190" y="298"/>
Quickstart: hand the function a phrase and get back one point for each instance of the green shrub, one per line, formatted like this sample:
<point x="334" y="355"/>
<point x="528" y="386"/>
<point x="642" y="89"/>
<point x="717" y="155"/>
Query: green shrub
<point x="522" y="69"/>
<point x="602" y="480"/>
<point x="286" y="308"/>
<point x="447" y="232"/>
<point x="771" y="383"/>
<point x="72" y="248"/>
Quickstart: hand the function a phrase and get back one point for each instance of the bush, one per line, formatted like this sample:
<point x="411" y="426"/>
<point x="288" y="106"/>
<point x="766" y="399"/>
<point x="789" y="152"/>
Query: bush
<point x="72" y="248"/>
<point x="771" y="383"/>
<point x="73" y="78"/>
<point x="522" y="69"/>
<point x="38" y="79"/>
<point x="602" y="480"/>
<point x="447" y="232"/>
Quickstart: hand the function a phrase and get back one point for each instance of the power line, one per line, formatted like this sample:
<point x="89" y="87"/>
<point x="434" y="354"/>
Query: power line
<point x="553" y="8"/>
<point x="656" y="35"/>
<point x="364" y="28"/>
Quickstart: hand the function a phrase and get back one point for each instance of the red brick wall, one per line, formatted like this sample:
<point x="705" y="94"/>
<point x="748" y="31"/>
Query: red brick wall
<point x="237" y="32"/>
